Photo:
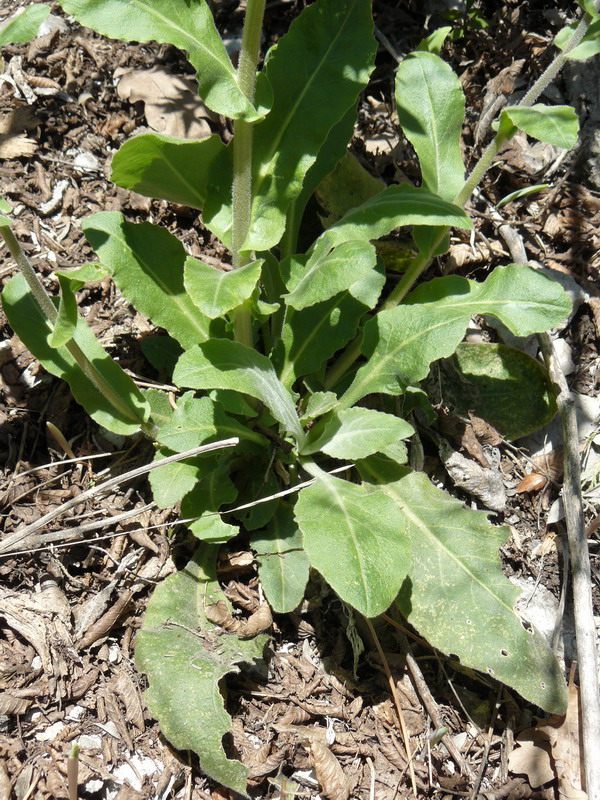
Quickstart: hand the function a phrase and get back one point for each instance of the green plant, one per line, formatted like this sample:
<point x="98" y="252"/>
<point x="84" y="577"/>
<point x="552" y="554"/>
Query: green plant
<point x="283" y="350"/>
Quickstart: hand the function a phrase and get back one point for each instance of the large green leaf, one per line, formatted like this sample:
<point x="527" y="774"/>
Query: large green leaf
<point x="325" y="275"/>
<point x="28" y="321"/>
<point x="282" y="563"/>
<point x="165" y="167"/>
<point x="215" y="291"/>
<point x="310" y="337"/>
<point x="504" y="386"/>
<point x="356" y="433"/>
<point x="330" y="44"/>
<point x="147" y="264"/>
<point x="402" y="342"/>
<point x="187" y="25"/>
<point x="223" y="364"/>
<point x="185" y="656"/>
<point x="431" y="109"/>
<point x="352" y="537"/>
<point x="456" y="594"/>
<point x="172" y="482"/>
<point x="557" y="125"/>
<point x="392" y="208"/>
<point x="24" y="26"/>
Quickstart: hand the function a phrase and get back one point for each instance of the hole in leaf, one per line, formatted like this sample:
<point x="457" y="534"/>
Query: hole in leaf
<point x="490" y="671"/>
<point x="503" y="652"/>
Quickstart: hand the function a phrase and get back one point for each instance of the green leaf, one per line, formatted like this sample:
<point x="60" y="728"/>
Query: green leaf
<point x="318" y="404"/>
<point x="222" y="364"/>
<point x="503" y="386"/>
<point x="435" y="41"/>
<point x="345" y="187"/>
<point x="589" y="45"/>
<point x="557" y="125"/>
<point x="24" y="26"/>
<point x="189" y="26"/>
<point x="456" y="594"/>
<point x="211" y="492"/>
<point x="311" y="336"/>
<point x="161" y="351"/>
<point x="28" y="321"/>
<point x="330" y="44"/>
<point x="356" y="433"/>
<point x="352" y="537"/>
<point x="185" y="657"/>
<point x="431" y="109"/>
<point x="211" y="528"/>
<point x="198" y="421"/>
<point x="66" y="322"/>
<point x="392" y="208"/>
<point x="282" y="563"/>
<point x="325" y="275"/>
<point x="147" y="264"/>
<point x="172" y="482"/>
<point x="402" y="342"/>
<point x="167" y="168"/>
<point x="259" y="486"/>
<point x="215" y="291"/>
<point x="526" y="190"/>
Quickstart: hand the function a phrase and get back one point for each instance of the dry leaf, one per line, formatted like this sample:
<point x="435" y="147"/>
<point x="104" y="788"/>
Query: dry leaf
<point x="534" y="482"/>
<point x="260" y="621"/>
<point x="532" y="758"/>
<point x="171" y="102"/>
<point x="550" y="464"/>
<point x="13" y="143"/>
<point x="329" y="772"/>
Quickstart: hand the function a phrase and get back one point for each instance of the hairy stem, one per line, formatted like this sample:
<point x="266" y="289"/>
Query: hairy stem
<point x="242" y="158"/>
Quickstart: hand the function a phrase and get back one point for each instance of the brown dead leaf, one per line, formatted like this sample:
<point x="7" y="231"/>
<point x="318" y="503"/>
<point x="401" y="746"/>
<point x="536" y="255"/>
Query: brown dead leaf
<point x="329" y="772"/>
<point x="534" y="482"/>
<point x="564" y="735"/>
<point x="532" y="758"/>
<point x="550" y="464"/>
<point x="171" y="102"/>
<point x="13" y="142"/>
<point x="256" y="623"/>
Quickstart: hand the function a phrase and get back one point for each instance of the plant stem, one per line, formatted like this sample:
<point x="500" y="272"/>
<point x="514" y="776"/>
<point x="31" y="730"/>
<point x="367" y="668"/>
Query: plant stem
<point x="422" y="261"/>
<point x="242" y="158"/>
<point x="51" y="314"/>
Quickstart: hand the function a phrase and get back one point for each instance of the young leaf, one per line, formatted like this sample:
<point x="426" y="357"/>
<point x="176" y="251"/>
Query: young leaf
<point x="167" y="168"/>
<point x="402" y="342"/>
<point x="24" y="26"/>
<point x="318" y="404"/>
<point x="184" y="667"/>
<point x="282" y="563"/>
<point x="211" y="528"/>
<point x="330" y="44"/>
<point x="223" y="364"/>
<point x="27" y="320"/>
<point x="198" y="421"/>
<point x="356" y="433"/>
<point x="189" y="26"/>
<point x="589" y="45"/>
<point x="503" y="386"/>
<point x="325" y="275"/>
<point x="66" y="322"/>
<point x="393" y="207"/>
<point x="311" y="336"/>
<point x="352" y="537"/>
<point x="215" y="291"/>
<point x="457" y="596"/>
<point x="431" y="109"/>
<point x="435" y="41"/>
<point x="557" y="125"/>
<point x="147" y="264"/>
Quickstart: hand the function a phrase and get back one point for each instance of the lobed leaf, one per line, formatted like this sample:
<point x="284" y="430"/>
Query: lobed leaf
<point x="185" y="657"/>
<point x="352" y="537"/>
<point x="431" y="108"/>
<point x="189" y="26"/>
<point x="147" y="263"/>
<point x="456" y="594"/>
<point x="167" y="168"/>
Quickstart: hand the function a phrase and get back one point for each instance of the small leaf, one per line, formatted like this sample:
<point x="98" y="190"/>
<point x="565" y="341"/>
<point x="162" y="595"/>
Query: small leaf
<point x="435" y="41"/>
<point x="66" y="322"/>
<point x="216" y="291"/>
<point x="589" y="45"/>
<point x="23" y="27"/>
<point x="431" y="109"/>
<point x="526" y="190"/>
<point x="167" y="168"/>
<point x="456" y="594"/>
<point x="345" y="187"/>
<point x="147" y="264"/>
<point x="352" y="537"/>
<point x="557" y="125"/>
<point x="323" y="277"/>
<point x="222" y="364"/>
<point x="318" y="404"/>
<point x="356" y="433"/>
<point x="27" y="320"/>
<point x="282" y="563"/>
<point x="503" y="386"/>
<point x="185" y="658"/>
<point x="211" y="528"/>
<point x="189" y="26"/>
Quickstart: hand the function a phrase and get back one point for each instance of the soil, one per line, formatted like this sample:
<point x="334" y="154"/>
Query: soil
<point x="71" y="608"/>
